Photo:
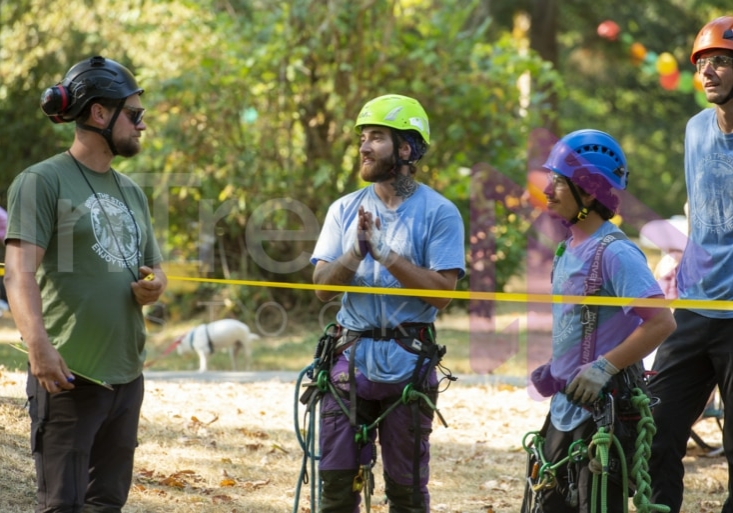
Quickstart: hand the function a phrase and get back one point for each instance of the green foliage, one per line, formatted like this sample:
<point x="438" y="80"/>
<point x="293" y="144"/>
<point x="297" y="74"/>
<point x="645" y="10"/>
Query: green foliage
<point x="251" y="108"/>
<point x="612" y="93"/>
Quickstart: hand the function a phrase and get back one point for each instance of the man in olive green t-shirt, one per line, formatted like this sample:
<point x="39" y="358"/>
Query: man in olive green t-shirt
<point x="80" y="263"/>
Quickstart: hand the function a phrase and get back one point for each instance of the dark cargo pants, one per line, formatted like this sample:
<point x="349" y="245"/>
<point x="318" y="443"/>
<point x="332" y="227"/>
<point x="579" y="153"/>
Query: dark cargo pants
<point x="83" y="442"/>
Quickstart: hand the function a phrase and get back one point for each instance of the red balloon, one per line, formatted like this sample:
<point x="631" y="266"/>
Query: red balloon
<point x="671" y="81"/>
<point x="609" y="30"/>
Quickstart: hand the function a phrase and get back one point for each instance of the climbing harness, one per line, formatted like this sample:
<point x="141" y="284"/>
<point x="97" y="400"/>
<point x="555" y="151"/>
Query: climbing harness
<point x="418" y="339"/>
<point x="622" y="416"/>
<point x="627" y="409"/>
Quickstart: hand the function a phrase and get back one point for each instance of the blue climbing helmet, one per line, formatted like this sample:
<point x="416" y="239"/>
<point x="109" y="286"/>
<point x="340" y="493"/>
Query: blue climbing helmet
<point x="584" y="153"/>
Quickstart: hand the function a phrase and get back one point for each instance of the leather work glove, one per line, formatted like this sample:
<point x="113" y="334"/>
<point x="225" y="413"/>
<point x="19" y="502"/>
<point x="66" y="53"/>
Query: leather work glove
<point x="544" y="382"/>
<point x="588" y="383"/>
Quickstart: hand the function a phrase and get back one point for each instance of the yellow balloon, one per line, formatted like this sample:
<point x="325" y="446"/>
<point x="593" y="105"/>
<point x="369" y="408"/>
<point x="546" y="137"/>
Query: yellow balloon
<point x="666" y="63"/>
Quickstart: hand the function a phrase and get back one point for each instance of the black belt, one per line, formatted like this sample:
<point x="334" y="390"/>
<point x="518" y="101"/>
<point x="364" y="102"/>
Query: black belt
<point x="410" y="336"/>
<point x="400" y="332"/>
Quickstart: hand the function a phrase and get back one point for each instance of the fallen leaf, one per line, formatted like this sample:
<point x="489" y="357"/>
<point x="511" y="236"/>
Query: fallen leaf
<point x="255" y="485"/>
<point x="172" y="482"/>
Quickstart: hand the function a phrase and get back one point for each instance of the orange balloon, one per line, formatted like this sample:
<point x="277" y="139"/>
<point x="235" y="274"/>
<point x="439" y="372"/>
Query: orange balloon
<point x="638" y="52"/>
<point x="697" y="82"/>
<point x="536" y="196"/>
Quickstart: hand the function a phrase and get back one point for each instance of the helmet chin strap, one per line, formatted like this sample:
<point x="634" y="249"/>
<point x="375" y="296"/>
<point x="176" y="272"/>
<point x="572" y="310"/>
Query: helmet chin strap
<point x="583" y="211"/>
<point x="107" y="132"/>
<point x="399" y="161"/>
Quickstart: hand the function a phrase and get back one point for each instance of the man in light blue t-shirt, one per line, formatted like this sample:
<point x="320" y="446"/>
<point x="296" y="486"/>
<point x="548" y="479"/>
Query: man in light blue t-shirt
<point x="698" y="356"/>
<point x="395" y="233"/>
<point x="594" y="349"/>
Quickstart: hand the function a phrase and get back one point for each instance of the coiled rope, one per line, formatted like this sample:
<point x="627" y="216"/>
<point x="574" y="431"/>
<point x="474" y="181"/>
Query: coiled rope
<point x="542" y="474"/>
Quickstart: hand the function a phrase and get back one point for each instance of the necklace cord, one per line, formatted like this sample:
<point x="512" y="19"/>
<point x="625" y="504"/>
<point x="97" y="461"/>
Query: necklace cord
<point x="109" y="221"/>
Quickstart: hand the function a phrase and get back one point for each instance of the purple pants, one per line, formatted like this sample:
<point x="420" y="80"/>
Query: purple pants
<point x="339" y="450"/>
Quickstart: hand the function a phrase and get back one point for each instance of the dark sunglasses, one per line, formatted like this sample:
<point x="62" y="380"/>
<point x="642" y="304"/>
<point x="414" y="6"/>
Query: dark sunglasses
<point x="716" y="61"/>
<point x="135" y="114"/>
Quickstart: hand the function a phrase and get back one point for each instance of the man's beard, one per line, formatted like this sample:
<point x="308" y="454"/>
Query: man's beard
<point x="720" y="99"/>
<point x="127" y="147"/>
<point x="382" y="169"/>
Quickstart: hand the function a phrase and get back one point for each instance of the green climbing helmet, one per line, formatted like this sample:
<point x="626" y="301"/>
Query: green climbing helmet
<point x="395" y="111"/>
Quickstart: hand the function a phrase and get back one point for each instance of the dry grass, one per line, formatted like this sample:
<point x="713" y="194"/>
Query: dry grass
<point x="223" y="447"/>
<point x="230" y="447"/>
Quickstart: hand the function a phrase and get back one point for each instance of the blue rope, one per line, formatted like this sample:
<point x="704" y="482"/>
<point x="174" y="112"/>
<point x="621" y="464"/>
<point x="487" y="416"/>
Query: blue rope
<point x="307" y="443"/>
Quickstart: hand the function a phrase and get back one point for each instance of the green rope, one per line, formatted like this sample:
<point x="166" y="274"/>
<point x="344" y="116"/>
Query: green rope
<point x="598" y="454"/>
<point x="602" y="440"/>
<point x="643" y="450"/>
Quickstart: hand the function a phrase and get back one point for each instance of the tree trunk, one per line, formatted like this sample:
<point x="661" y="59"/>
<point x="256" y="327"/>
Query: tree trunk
<point x="543" y="40"/>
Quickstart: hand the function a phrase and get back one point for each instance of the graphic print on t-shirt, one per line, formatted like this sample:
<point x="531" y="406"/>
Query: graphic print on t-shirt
<point x="713" y="204"/>
<point x="114" y="229"/>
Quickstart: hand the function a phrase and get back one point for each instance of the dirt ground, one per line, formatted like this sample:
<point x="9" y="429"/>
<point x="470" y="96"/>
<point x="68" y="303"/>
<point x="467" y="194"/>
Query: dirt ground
<point x="230" y="447"/>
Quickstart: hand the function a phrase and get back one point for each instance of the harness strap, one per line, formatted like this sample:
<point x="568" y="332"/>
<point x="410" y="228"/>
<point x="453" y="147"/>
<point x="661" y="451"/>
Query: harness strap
<point x="352" y="388"/>
<point x="410" y="336"/>
<point x="415" y="338"/>
<point x="593" y="283"/>
<point x="589" y="313"/>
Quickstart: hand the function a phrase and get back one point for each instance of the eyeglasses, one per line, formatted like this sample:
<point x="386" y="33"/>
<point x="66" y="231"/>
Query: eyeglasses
<point x="135" y="114"/>
<point x="717" y="61"/>
<point x="555" y="179"/>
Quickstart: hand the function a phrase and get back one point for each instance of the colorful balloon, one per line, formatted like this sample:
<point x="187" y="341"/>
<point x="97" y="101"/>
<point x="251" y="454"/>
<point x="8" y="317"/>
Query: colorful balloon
<point x="701" y="99"/>
<point x="666" y="63"/>
<point x="638" y="52"/>
<point x="697" y="82"/>
<point x="686" y="79"/>
<point x="609" y="30"/>
<point x="649" y="65"/>
<point x="670" y="80"/>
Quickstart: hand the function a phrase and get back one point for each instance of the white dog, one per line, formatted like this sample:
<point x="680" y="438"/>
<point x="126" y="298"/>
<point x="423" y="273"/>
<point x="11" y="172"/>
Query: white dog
<point x="228" y="334"/>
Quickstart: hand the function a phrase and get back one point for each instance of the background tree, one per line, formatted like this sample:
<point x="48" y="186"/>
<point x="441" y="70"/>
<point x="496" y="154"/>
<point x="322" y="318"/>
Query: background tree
<point x="611" y="91"/>
<point x="251" y="108"/>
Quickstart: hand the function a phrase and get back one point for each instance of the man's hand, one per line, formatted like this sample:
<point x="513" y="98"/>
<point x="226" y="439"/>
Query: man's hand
<point x="148" y="288"/>
<point x="49" y="368"/>
<point x="590" y="380"/>
<point x="370" y="237"/>
<point x="380" y="249"/>
<point x="361" y="248"/>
